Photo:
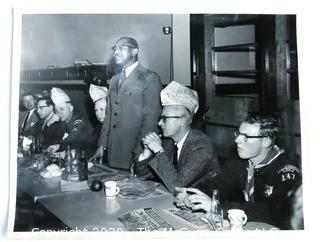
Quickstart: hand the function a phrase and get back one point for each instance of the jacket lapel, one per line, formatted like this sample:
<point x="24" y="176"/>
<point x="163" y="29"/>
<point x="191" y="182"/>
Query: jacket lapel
<point x="131" y="80"/>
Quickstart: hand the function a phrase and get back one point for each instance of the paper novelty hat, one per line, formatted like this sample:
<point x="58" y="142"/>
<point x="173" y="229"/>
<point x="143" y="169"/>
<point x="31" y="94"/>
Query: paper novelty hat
<point x="97" y="92"/>
<point x="58" y="96"/>
<point x="177" y="94"/>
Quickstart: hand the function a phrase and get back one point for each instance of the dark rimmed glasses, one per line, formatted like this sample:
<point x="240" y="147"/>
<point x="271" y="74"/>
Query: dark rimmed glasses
<point x="164" y="118"/>
<point x="41" y="107"/>
<point x="121" y="47"/>
<point x="246" y="137"/>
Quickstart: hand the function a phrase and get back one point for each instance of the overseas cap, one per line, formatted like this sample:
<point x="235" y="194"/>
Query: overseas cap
<point x="58" y="96"/>
<point x="177" y="94"/>
<point x="97" y="92"/>
<point x="127" y="41"/>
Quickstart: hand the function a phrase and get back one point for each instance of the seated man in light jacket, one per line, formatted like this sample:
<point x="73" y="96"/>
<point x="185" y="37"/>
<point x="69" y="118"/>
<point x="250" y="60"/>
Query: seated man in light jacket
<point x="185" y="156"/>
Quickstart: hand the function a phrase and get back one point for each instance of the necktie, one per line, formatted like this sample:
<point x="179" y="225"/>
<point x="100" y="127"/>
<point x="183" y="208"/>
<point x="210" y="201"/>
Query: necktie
<point x="25" y="121"/>
<point x="175" y="155"/>
<point x="122" y="78"/>
<point x="249" y="191"/>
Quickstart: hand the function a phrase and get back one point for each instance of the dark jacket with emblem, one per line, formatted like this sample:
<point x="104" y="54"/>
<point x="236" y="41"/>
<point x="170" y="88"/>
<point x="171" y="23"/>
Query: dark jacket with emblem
<point x="132" y="111"/>
<point x="76" y="133"/>
<point x="272" y="183"/>
<point x="197" y="162"/>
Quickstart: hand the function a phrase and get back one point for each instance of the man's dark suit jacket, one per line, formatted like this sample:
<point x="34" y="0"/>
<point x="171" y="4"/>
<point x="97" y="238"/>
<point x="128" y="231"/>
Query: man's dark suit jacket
<point x="33" y="119"/>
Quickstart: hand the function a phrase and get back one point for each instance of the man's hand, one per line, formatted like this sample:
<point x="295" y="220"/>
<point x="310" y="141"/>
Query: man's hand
<point x="197" y="200"/>
<point x="53" y="119"/>
<point x="97" y="154"/>
<point x="147" y="153"/>
<point x="180" y="196"/>
<point x="53" y="148"/>
<point x="153" y="142"/>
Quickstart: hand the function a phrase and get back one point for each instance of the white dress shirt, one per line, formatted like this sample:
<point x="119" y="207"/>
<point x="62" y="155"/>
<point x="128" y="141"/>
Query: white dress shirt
<point x="129" y="69"/>
<point x="180" y="144"/>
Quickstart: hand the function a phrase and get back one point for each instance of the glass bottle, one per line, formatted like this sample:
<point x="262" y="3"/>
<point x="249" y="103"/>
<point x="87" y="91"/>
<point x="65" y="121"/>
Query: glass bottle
<point x="68" y="158"/>
<point x="33" y="146"/>
<point x="75" y="167"/>
<point x="83" y="167"/>
<point x="38" y="149"/>
<point x="216" y="211"/>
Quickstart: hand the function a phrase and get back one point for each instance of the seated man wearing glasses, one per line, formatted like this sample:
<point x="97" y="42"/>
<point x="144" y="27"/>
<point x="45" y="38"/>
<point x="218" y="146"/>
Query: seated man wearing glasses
<point x="47" y="135"/>
<point x="258" y="183"/>
<point x="185" y="156"/>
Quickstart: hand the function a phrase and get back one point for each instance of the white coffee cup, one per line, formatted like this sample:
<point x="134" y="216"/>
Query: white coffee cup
<point x="237" y="218"/>
<point x="111" y="189"/>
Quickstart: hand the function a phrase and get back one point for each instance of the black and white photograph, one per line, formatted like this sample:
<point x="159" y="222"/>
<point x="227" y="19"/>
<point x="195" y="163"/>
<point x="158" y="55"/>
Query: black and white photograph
<point x="170" y="123"/>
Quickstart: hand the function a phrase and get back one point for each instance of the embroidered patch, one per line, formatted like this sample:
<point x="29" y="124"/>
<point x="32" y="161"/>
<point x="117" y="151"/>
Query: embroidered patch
<point x="65" y="136"/>
<point x="268" y="190"/>
<point x="77" y="121"/>
<point x="288" y="168"/>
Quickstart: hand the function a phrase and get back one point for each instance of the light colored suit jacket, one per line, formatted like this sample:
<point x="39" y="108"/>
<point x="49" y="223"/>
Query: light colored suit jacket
<point x="132" y="111"/>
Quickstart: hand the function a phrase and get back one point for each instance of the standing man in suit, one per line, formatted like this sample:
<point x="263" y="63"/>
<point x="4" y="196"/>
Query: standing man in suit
<point x="185" y="157"/>
<point x="133" y="106"/>
<point x="29" y="117"/>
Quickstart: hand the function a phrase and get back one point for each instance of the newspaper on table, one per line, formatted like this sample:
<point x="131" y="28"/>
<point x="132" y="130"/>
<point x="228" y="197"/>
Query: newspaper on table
<point x="196" y="220"/>
<point x="146" y="219"/>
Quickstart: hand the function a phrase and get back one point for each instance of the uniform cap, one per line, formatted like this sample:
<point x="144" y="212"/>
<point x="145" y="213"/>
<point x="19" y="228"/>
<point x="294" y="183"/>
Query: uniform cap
<point x="177" y="94"/>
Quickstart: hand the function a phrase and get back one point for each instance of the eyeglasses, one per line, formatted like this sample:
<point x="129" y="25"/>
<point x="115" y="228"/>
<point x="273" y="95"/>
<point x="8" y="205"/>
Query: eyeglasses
<point x="164" y="118"/>
<point x="246" y="137"/>
<point x="120" y="47"/>
<point x="41" y="107"/>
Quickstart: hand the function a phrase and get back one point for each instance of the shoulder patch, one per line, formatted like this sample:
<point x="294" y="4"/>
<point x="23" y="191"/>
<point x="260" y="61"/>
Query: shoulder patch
<point x="288" y="173"/>
<point x="288" y="168"/>
<point x="77" y="121"/>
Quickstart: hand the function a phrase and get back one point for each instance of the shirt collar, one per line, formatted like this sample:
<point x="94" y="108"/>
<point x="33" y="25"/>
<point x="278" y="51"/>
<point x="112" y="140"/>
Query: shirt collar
<point x="272" y="155"/>
<point x="181" y="142"/>
<point x="129" y="69"/>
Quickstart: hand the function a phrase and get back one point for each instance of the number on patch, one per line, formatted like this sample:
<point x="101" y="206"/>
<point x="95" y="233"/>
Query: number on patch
<point x="288" y="176"/>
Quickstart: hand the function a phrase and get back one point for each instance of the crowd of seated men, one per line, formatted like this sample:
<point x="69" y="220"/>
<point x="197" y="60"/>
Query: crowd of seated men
<point x="259" y="179"/>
